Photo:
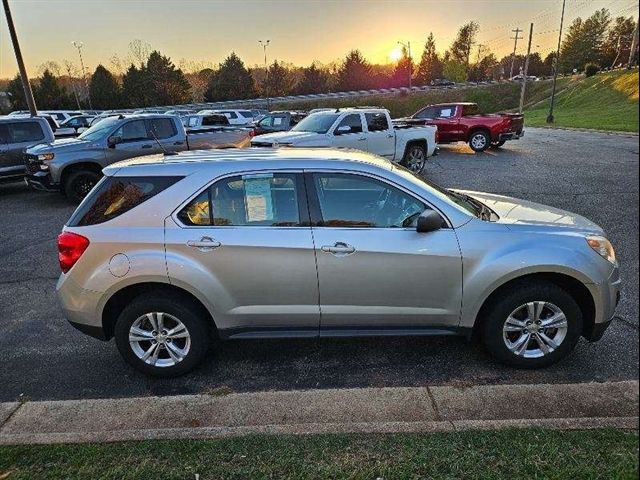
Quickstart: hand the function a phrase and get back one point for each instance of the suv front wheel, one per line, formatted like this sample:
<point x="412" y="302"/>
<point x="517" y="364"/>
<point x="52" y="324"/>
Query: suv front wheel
<point x="162" y="336"/>
<point x="534" y="325"/>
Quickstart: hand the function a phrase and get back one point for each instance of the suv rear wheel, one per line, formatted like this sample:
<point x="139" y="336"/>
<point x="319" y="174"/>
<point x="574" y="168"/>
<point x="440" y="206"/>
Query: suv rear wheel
<point x="163" y="336"/>
<point x="479" y="141"/>
<point x="534" y="325"/>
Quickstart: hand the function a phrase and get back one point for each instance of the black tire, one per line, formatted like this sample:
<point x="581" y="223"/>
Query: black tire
<point x="480" y="140"/>
<point x="519" y="294"/>
<point x="182" y="309"/>
<point x="498" y="144"/>
<point x="415" y="158"/>
<point x="79" y="183"/>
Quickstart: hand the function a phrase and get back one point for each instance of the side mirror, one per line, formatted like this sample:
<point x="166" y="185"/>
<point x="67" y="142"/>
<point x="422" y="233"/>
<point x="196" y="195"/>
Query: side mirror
<point x="113" y="141"/>
<point x="429" y="221"/>
<point x="342" y="130"/>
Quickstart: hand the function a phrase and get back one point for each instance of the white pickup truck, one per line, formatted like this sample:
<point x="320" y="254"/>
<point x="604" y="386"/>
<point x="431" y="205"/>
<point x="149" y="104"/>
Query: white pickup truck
<point x="368" y="129"/>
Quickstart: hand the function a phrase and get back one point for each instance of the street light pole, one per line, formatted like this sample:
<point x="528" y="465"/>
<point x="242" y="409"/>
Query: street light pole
<point x="264" y="45"/>
<point x="408" y="47"/>
<point x="550" y="118"/>
<point x="28" y="93"/>
<point x="79" y="46"/>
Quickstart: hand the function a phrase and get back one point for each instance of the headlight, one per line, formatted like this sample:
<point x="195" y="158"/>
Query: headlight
<point x="45" y="157"/>
<point x="603" y="247"/>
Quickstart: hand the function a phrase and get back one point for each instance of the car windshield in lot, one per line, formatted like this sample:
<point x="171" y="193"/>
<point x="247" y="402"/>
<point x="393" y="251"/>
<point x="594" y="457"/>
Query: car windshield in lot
<point x="316" y="123"/>
<point x="98" y="131"/>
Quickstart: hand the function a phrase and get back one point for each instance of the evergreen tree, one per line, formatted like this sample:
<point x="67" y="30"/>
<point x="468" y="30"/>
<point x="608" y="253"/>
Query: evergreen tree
<point x="402" y="70"/>
<point x="168" y="85"/>
<point x="48" y="94"/>
<point x="16" y="92"/>
<point x="430" y="66"/>
<point x="314" y="80"/>
<point x="462" y="45"/>
<point x="104" y="90"/>
<point x="354" y="74"/>
<point x="617" y="45"/>
<point x="278" y="82"/>
<point x="135" y="88"/>
<point x="232" y="81"/>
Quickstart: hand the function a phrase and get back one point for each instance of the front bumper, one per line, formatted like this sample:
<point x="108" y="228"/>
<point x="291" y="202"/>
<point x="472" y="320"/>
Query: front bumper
<point x="41" y="181"/>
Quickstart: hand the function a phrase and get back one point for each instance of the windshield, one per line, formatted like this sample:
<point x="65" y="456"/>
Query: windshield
<point x="99" y="130"/>
<point x="467" y="203"/>
<point x="316" y="123"/>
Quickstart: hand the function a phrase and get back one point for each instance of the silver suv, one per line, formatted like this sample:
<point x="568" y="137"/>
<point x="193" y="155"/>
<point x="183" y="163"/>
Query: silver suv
<point x="167" y="252"/>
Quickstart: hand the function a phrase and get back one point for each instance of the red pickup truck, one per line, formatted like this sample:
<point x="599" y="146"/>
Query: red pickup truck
<point x="462" y="122"/>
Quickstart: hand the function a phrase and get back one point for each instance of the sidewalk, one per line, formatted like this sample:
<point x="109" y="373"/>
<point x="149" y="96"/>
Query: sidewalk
<point x="419" y="409"/>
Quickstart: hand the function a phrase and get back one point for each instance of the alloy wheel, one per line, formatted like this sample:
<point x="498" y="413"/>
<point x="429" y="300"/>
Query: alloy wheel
<point x="159" y="339"/>
<point x="535" y="329"/>
<point x="479" y="141"/>
<point x="415" y="159"/>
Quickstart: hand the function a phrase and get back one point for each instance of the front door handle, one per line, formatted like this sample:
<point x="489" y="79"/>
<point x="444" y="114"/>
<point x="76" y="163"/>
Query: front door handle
<point x="362" y="139"/>
<point x="338" y="249"/>
<point x="178" y="143"/>
<point x="146" y="146"/>
<point x="205" y="244"/>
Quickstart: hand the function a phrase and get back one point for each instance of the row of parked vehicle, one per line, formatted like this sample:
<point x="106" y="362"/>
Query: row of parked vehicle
<point x="29" y="146"/>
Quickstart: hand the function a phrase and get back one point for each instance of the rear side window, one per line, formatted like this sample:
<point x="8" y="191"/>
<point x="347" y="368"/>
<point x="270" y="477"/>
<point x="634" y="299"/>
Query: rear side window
<point x="248" y="200"/>
<point x="25" y="132"/>
<point x="162" y="128"/>
<point x="114" y="196"/>
<point x="376" y="122"/>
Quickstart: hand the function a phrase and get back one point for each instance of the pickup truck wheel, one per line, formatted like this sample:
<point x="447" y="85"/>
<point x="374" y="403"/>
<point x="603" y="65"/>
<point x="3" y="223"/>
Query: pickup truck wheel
<point x="79" y="184"/>
<point x="415" y="158"/>
<point x="498" y="144"/>
<point x="479" y="141"/>
<point x="534" y="325"/>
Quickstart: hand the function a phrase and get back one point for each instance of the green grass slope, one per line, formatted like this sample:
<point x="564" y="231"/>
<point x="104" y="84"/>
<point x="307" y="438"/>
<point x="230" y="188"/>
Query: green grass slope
<point x="607" y="101"/>
<point x="490" y="98"/>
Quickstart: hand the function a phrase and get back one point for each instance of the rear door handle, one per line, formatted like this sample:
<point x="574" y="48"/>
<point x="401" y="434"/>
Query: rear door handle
<point x="178" y="143"/>
<point x="205" y="244"/>
<point x="338" y="249"/>
<point x="146" y="146"/>
<point x="362" y="139"/>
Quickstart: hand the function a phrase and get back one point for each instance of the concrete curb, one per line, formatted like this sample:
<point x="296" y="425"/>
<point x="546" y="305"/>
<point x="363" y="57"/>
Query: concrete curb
<point x="367" y="410"/>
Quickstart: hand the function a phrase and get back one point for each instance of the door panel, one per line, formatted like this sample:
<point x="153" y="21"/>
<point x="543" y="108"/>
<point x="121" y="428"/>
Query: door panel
<point x="356" y="138"/>
<point x="381" y="138"/>
<point x="256" y="275"/>
<point x="381" y="274"/>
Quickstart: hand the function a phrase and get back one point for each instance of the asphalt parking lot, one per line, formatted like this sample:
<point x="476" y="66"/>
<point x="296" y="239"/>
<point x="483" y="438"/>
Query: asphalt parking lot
<point x="42" y="357"/>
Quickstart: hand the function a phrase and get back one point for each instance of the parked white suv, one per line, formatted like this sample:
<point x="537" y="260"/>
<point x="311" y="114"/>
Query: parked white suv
<point x="256" y="243"/>
<point x="235" y="117"/>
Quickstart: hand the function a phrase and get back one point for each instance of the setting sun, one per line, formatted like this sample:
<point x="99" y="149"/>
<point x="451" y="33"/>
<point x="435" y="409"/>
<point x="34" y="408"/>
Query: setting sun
<point x="396" y="54"/>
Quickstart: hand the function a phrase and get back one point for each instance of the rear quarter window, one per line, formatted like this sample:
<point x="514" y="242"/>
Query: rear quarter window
<point x="114" y="196"/>
<point x="25" y="132"/>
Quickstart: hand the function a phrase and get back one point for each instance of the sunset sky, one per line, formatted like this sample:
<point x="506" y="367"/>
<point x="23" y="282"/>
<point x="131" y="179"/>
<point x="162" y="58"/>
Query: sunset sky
<point x="300" y="31"/>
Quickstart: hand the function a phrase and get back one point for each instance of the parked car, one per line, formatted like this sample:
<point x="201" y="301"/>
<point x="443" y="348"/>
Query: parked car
<point x="166" y="253"/>
<point x="277" y="121"/>
<point x="16" y="135"/>
<point x="180" y="113"/>
<point x="78" y="122"/>
<point x="259" y="113"/>
<point x="74" y="165"/>
<point x="462" y="122"/>
<point x="236" y="117"/>
<point x="198" y="120"/>
<point x="441" y="82"/>
<point x="60" y="115"/>
<point x="367" y="129"/>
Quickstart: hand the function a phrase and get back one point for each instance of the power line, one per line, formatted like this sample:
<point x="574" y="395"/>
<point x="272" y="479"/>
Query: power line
<point x="515" y="47"/>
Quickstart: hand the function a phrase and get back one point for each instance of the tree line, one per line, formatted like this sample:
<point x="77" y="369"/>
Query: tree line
<point x="152" y="79"/>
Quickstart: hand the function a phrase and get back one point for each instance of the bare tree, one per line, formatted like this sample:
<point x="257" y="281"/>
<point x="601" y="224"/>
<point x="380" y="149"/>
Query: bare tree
<point x="52" y="66"/>
<point x="139" y="51"/>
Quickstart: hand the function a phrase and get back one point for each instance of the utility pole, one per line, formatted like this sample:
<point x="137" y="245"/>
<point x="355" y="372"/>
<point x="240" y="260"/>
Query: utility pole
<point x="264" y="45"/>
<point x="526" y="69"/>
<point x="634" y="45"/>
<point x="515" y="47"/>
<point x="28" y="93"/>
<point x="550" y="118"/>
<point x="73" y="84"/>
<point x="480" y="47"/>
<point x="79" y="46"/>
<point x="408" y="47"/>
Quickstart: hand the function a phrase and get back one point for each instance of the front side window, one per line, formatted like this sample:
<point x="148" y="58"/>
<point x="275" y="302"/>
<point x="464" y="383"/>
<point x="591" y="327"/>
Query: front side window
<point x="247" y="200"/>
<point x="113" y="196"/>
<point x="426" y="113"/>
<point x="162" y="128"/>
<point x="132" y="131"/>
<point x="376" y="122"/>
<point x="348" y="200"/>
<point x="316" y="123"/>
<point x="446" y="112"/>
<point x="266" y="121"/>
<point x="353" y="122"/>
<point x="25" y="132"/>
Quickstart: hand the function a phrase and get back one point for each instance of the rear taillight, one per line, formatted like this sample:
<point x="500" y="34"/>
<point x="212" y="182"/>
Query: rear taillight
<point x="437" y="136"/>
<point x="252" y="133"/>
<point x="71" y="246"/>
